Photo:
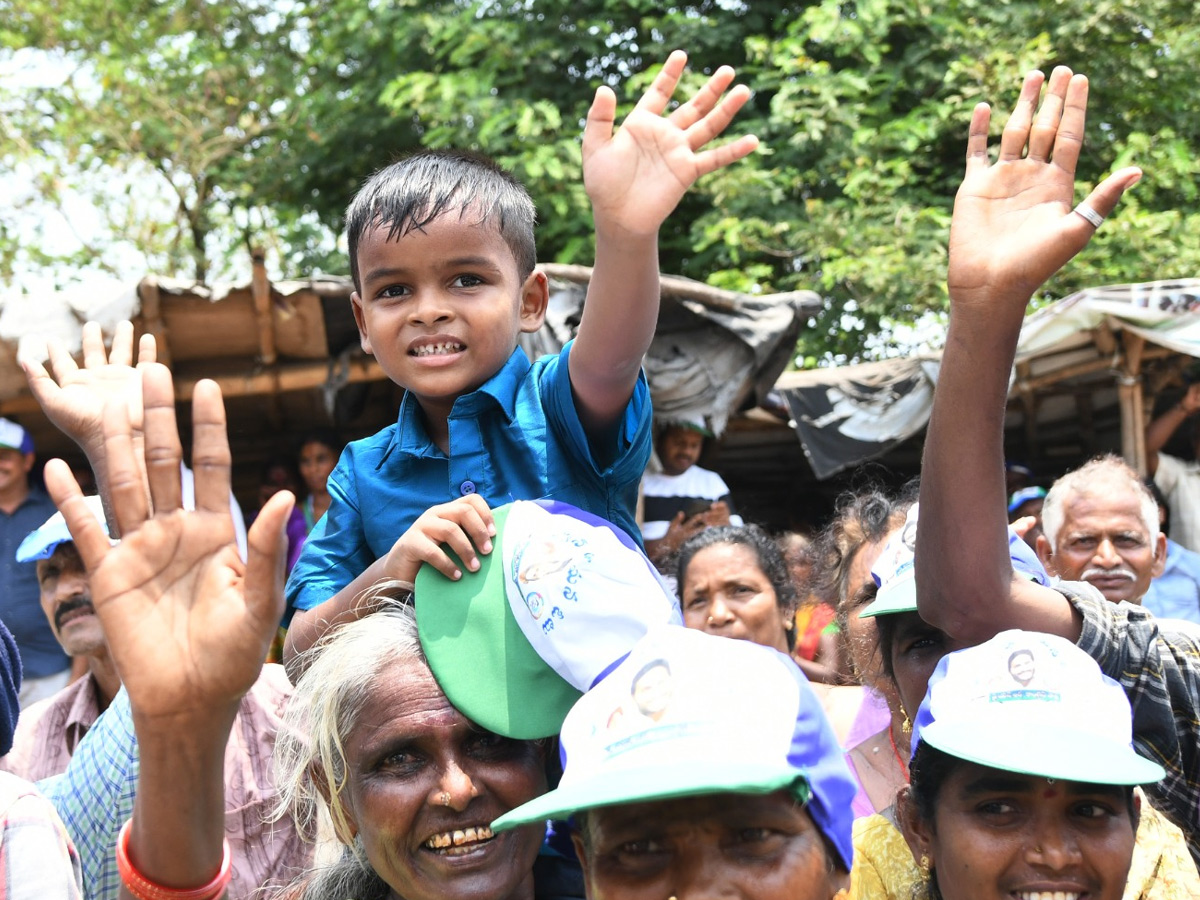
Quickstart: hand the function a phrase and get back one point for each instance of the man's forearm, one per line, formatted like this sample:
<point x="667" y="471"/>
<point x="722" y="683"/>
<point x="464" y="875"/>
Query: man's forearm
<point x="962" y="563"/>
<point x="1160" y="430"/>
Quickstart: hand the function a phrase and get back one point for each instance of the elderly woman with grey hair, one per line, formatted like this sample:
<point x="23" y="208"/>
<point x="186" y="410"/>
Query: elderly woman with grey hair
<point x="411" y="785"/>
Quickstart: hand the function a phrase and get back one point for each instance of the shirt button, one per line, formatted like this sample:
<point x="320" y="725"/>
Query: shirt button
<point x="467" y="487"/>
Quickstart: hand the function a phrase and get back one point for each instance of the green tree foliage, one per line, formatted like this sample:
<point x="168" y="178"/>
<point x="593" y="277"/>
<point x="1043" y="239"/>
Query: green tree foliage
<point x="265" y="116"/>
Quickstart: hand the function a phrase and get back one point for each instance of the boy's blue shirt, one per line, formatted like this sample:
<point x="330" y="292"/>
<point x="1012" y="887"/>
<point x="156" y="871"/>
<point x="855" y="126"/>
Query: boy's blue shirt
<point x="518" y="437"/>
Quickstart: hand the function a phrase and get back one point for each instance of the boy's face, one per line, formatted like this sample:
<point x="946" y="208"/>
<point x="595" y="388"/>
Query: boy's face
<point x="440" y="309"/>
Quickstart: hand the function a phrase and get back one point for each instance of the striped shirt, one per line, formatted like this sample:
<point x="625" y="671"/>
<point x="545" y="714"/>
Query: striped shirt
<point x="1157" y="662"/>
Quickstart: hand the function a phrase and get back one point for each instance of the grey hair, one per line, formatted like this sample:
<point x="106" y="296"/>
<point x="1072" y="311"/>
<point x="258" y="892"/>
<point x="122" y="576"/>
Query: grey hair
<point x="310" y="755"/>
<point x="347" y="876"/>
<point x="1092" y="478"/>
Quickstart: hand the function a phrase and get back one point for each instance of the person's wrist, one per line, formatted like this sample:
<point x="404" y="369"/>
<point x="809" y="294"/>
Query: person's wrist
<point x="143" y="888"/>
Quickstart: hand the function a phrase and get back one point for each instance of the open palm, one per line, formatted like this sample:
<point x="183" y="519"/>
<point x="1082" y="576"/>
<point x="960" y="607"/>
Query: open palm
<point x="1013" y="225"/>
<point x="637" y="176"/>
<point x="187" y="622"/>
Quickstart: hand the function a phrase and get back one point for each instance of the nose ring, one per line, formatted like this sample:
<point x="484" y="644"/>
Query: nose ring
<point x="710" y="621"/>
<point x="444" y="798"/>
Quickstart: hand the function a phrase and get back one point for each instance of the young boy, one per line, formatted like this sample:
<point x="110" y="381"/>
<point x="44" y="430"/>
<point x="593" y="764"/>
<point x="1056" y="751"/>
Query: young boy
<point x="442" y="255"/>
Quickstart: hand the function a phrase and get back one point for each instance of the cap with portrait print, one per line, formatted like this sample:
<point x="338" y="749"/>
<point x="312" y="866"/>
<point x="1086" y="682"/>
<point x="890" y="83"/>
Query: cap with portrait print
<point x="15" y="437"/>
<point x="688" y="714"/>
<point x="561" y="598"/>
<point x="1036" y="704"/>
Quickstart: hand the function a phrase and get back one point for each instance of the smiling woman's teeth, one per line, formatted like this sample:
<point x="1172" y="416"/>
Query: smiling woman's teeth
<point x="436" y="349"/>
<point x="1048" y="895"/>
<point x="453" y="840"/>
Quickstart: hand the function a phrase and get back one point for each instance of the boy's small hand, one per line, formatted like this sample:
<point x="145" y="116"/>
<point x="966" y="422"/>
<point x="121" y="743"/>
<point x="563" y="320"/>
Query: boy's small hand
<point x="1013" y="224"/>
<point x="636" y="177"/>
<point x="462" y="525"/>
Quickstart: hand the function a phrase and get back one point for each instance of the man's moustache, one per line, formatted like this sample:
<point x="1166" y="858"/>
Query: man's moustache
<point x="69" y="606"/>
<point x="1118" y="572"/>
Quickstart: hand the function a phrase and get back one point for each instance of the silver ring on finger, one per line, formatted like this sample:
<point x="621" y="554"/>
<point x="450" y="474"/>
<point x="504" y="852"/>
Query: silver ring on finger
<point x="1090" y="214"/>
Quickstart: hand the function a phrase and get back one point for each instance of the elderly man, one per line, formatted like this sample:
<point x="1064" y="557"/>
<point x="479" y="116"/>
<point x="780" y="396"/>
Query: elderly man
<point x="50" y="729"/>
<point x="1100" y="525"/>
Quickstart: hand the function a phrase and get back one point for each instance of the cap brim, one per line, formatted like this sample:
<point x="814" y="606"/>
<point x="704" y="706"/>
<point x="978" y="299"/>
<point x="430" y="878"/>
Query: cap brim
<point x="899" y="598"/>
<point x="480" y="658"/>
<point x="688" y="778"/>
<point x="42" y="543"/>
<point x="1047" y="753"/>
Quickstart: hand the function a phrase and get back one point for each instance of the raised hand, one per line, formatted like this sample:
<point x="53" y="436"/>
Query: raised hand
<point x="187" y="622"/>
<point x="1013" y="224"/>
<point x="74" y="398"/>
<point x="637" y="176"/>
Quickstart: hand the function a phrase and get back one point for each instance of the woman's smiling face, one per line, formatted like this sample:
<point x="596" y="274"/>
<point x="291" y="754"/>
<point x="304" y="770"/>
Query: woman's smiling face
<point x="423" y="785"/>
<point x="999" y="835"/>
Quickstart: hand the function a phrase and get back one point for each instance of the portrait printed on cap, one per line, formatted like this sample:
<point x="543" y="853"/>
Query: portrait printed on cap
<point x="545" y="570"/>
<point x="1020" y="681"/>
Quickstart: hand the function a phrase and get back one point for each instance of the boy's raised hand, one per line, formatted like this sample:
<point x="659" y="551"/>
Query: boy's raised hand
<point x="464" y="525"/>
<point x="637" y="176"/>
<point x="187" y="622"/>
<point x="1014" y="224"/>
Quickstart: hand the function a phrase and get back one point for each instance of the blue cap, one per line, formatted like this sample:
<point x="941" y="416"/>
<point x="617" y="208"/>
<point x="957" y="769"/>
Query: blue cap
<point x="1024" y="495"/>
<point x="675" y="719"/>
<point x="42" y="542"/>
<point x="15" y="437"/>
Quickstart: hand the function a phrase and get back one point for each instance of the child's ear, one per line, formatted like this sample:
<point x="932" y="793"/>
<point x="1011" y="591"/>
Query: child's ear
<point x="535" y="297"/>
<point x="356" y="304"/>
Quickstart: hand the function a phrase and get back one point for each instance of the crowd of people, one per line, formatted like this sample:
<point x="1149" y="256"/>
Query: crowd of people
<point x="496" y="683"/>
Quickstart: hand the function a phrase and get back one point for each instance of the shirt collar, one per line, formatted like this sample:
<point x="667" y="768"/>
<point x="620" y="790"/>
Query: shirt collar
<point x="83" y="712"/>
<point x="500" y="390"/>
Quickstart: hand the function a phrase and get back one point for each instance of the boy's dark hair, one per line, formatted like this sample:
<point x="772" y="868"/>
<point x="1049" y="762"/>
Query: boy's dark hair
<point x="416" y="190"/>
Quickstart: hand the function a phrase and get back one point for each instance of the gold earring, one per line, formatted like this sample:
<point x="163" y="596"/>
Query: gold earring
<point x="924" y="863"/>
<point x="906" y="725"/>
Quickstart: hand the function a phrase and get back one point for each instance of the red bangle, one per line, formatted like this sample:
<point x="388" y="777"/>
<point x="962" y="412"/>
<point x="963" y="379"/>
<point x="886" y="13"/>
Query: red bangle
<point x="143" y="888"/>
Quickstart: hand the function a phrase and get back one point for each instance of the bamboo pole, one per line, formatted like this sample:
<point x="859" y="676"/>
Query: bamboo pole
<point x="152" y="318"/>
<point x="260" y="292"/>
<point x="1129" y="396"/>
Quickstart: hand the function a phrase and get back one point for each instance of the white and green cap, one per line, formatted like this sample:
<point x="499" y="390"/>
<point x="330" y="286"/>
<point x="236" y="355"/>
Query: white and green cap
<point x="689" y="714"/>
<point x="1036" y="704"/>
<point x="561" y="599"/>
